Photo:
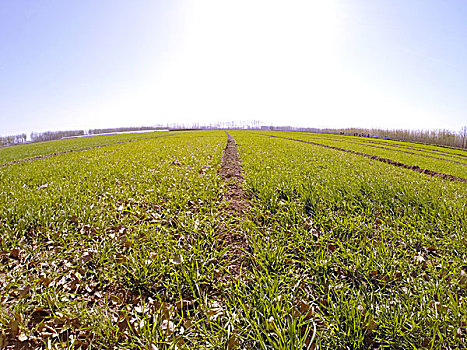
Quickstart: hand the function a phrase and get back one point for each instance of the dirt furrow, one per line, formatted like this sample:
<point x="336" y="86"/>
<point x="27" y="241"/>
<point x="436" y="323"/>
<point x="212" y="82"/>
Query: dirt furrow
<point x="383" y="160"/>
<point x="235" y="195"/>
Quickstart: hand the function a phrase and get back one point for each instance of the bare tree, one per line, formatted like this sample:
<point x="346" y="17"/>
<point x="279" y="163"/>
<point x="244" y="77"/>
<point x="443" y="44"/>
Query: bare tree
<point x="464" y="136"/>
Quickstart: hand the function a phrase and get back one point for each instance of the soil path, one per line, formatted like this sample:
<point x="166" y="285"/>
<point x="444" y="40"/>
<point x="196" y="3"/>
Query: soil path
<point x="383" y="160"/>
<point x="231" y="173"/>
<point x="44" y="156"/>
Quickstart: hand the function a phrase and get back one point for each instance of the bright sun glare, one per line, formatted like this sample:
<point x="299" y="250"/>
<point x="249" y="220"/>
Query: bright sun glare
<point x="265" y="60"/>
<point x="257" y="59"/>
<point x="274" y="61"/>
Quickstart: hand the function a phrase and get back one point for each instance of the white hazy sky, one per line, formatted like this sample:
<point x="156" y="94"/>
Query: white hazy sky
<point x="328" y="63"/>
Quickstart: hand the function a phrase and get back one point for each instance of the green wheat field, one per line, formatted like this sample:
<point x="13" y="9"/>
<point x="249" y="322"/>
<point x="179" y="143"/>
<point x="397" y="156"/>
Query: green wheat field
<point x="128" y="242"/>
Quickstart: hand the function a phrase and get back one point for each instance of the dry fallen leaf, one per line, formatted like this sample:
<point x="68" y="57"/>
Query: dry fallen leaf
<point x="24" y="291"/>
<point x="167" y="311"/>
<point x="120" y="258"/>
<point x="14" y="328"/>
<point x="306" y="310"/>
<point x="177" y="259"/>
<point x="123" y="324"/>
<point x="371" y="325"/>
<point x="187" y="323"/>
<point x="180" y="304"/>
<point x="463" y="278"/>
<point x="46" y="281"/>
<point x="38" y="316"/>
<point x="85" y="258"/>
<point x="384" y="279"/>
<point x="233" y="343"/>
<point x="215" y="310"/>
<point x="14" y="253"/>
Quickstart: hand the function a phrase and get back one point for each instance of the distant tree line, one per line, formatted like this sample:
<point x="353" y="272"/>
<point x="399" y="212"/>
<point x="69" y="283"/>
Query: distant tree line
<point x="13" y="139"/>
<point x="441" y="137"/>
<point x="111" y="130"/>
<point x="438" y="137"/>
<point x="57" y="135"/>
<point x="54" y="135"/>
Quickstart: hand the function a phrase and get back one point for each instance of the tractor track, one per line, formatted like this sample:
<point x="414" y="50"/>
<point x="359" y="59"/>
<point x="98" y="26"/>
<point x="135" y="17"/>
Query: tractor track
<point x="238" y="204"/>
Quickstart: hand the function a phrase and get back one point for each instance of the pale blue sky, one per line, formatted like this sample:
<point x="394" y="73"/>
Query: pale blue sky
<point x="330" y="63"/>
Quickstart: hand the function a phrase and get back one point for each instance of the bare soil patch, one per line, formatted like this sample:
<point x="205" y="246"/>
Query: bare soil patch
<point x="232" y="174"/>
<point x="238" y="204"/>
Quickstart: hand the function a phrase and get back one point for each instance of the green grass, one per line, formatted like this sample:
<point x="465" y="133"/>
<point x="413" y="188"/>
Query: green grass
<point x="125" y="221"/>
<point x="441" y="164"/>
<point x="448" y="150"/>
<point x="379" y="250"/>
<point x="425" y="150"/>
<point x="120" y="247"/>
<point x="19" y="152"/>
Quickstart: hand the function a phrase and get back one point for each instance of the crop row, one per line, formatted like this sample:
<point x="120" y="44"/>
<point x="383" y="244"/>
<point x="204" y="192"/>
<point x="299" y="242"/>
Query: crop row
<point x="24" y="151"/>
<point x="127" y="246"/>
<point x="404" y="147"/>
<point x="113" y="247"/>
<point x="373" y="254"/>
<point x="435" y="164"/>
<point x="446" y="150"/>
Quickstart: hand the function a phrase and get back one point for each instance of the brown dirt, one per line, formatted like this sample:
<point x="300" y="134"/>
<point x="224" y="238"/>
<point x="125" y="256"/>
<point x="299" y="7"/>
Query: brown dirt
<point x="232" y="174"/>
<point x="383" y="160"/>
<point x="237" y="199"/>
